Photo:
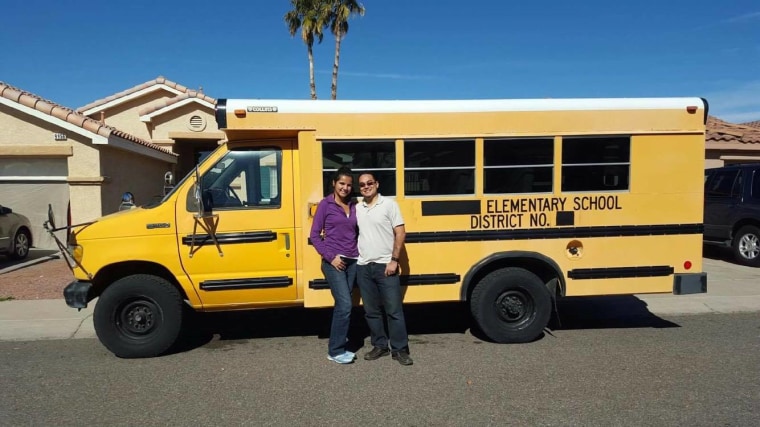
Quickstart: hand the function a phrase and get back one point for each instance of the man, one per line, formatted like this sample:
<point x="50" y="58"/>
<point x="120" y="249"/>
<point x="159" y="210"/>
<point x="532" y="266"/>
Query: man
<point x="381" y="237"/>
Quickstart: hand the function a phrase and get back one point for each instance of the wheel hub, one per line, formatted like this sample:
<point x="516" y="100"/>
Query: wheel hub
<point x="511" y="306"/>
<point x="749" y="246"/>
<point x="22" y="244"/>
<point x="137" y="318"/>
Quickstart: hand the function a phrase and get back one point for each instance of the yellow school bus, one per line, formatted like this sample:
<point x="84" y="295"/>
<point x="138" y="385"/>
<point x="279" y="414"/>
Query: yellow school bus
<point x="508" y="204"/>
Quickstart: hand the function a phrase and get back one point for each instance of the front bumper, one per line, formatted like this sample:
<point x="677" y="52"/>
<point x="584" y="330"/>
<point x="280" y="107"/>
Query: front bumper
<point x="77" y="294"/>
<point x="689" y="283"/>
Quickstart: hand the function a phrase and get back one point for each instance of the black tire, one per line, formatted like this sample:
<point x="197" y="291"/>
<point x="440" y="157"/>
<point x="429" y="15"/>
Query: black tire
<point x="139" y="316"/>
<point x="746" y="246"/>
<point x="21" y="242"/>
<point x="511" y="305"/>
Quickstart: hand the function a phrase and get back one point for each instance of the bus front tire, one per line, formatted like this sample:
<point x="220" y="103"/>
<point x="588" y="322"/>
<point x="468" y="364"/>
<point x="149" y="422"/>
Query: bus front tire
<point x="511" y="305"/>
<point x="138" y="316"/>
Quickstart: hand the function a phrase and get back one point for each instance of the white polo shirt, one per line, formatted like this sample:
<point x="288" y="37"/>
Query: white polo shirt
<point x="376" y="224"/>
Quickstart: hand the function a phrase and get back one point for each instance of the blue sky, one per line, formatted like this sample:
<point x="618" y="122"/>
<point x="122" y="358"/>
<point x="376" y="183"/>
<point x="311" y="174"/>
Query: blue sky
<point x="74" y="52"/>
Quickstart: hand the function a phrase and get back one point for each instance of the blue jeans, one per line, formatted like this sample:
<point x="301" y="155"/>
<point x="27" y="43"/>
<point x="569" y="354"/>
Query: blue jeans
<point x="378" y="289"/>
<point x="341" y="285"/>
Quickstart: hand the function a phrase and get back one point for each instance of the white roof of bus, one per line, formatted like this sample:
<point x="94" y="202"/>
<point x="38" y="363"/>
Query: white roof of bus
<point x="456" y="106"/>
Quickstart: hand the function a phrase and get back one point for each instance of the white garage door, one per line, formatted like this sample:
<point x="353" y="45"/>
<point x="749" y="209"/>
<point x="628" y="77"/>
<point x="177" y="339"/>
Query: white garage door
<point x="29" y="185"/>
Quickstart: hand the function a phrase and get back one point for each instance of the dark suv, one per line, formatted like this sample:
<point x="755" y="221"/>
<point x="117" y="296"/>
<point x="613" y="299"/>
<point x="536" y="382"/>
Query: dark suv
<point x="732" y="210"/>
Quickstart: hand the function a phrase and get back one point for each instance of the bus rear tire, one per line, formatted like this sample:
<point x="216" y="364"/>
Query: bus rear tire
<point x="511" y="305"/>
<point x="138" y="316"/>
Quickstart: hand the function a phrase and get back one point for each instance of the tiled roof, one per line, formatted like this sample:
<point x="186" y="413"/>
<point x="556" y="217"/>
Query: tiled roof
<point x="755" y="124"/>
<point x="157" y="81"/>
<point x="68" y="115"/>
<point x="191" y="94"/>
<point x="719" y="131"/>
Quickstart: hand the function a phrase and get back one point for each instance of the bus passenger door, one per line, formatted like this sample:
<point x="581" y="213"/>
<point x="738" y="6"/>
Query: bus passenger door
<point x="240" y="252"/>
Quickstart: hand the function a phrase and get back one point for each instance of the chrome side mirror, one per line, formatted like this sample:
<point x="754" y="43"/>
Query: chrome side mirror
<point x="168" y="182"/>
<point x="127" y="201"/>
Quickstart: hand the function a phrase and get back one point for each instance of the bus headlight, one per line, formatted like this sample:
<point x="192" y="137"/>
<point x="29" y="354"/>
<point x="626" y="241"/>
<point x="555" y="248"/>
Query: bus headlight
<point x="76" y="252"/>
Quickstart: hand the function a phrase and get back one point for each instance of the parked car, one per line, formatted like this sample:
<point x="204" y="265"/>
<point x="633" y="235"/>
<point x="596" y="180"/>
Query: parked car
<point x="732" y="211"/>
<point x="15" y="234"/>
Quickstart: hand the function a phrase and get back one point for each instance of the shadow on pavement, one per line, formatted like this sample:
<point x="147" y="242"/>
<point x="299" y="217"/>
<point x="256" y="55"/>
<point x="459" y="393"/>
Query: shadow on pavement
<point x="718" y="253"/>
<point x="618" y="311"/>
<point x="218" y="330"/>
<point x="212" y="329"/>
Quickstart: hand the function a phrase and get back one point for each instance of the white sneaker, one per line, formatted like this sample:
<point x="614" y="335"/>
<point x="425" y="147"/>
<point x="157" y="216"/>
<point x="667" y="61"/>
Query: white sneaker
<point x="343" y="359"/>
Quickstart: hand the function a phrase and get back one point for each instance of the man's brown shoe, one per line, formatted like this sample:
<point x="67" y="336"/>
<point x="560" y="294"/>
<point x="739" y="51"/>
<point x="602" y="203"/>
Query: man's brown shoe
<point x="402" y="356"/>
<point x="376" y="353"/>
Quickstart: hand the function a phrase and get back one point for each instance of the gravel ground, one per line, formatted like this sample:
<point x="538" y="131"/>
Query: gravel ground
<point x="44" y="280"/>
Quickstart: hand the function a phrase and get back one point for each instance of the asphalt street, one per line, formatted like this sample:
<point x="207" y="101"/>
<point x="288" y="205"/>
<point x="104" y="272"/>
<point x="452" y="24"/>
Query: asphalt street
<point x="696" y="370"/>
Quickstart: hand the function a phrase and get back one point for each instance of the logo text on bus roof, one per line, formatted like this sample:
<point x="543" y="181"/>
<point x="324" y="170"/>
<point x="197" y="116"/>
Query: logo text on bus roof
<point x="261" y="109"/>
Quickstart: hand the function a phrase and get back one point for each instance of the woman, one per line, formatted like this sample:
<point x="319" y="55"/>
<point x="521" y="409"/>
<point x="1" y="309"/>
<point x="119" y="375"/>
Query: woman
<point x="334" y="234"/>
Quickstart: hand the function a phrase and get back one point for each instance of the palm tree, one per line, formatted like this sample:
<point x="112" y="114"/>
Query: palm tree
<point x="341" y="10"/>
<point x="311" y="17"/>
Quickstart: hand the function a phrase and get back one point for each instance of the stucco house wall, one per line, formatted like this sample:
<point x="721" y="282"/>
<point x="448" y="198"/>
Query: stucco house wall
<point x="712" y="159"/>
<point x="28" y="152"/>
<point x="84" y="181"/>
<point x="167" y="114"/>
<point x="716" y="157"/>
<point x="17" y="128"/>
<point x="53" y="155"/>
<point x="88" y="187"/>
<point x="125" y="171"/>
<point x="125" y="115"/>
<point x="177" y="122"/>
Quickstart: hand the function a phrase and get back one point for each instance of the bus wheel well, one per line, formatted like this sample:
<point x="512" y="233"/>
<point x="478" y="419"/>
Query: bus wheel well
<point x="109" y="274"/>
<point x="537" y="264"/>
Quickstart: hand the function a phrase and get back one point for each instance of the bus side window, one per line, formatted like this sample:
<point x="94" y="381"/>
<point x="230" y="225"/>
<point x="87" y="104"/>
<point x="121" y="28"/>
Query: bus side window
<point x="376" y="156"/>
<point x="438" y="168"/>
<point x="596" y="163"/>
<point x="524" y="165"/>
